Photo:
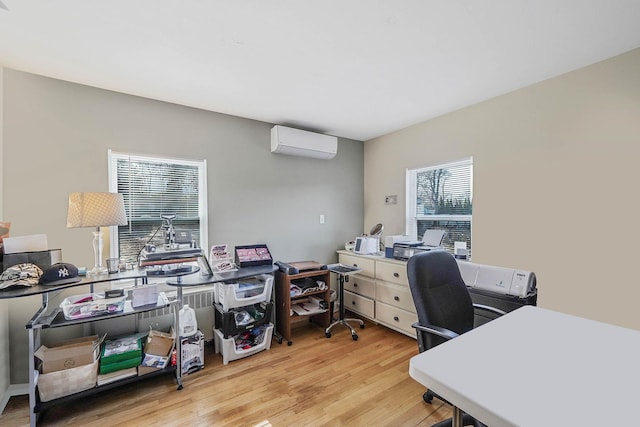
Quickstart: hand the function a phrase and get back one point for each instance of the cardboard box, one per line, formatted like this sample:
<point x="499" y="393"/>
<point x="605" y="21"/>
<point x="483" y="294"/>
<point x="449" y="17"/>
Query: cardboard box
<point x="157" y="349"/>
<point x="68" y="381"/>
<point x="69" y="354"/>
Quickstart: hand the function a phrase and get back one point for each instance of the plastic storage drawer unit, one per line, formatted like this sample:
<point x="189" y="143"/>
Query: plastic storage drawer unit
<point x="241" y="294"/>
<point x="232" y="350"/>
<point x="241" y="319"/>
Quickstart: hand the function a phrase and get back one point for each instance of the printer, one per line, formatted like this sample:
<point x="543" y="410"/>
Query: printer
<point x="499" y="280"/>
<point x="431" y="240"/>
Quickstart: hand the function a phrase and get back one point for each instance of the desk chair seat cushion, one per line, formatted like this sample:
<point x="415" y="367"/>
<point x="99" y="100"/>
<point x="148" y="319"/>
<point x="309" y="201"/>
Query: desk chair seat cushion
<point x="439" y="293"/>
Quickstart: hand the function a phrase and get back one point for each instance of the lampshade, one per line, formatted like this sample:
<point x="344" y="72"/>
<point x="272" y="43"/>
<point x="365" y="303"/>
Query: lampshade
<point x="95" y="210"/>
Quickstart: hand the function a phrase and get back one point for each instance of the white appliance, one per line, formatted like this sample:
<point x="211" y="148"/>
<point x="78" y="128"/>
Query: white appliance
<point x="506" y="281"/>
<point x="298" y="142"/>
<point x="367" y="245"/>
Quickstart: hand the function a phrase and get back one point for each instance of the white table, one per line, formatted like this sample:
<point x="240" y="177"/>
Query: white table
<point x="536" y="367"/>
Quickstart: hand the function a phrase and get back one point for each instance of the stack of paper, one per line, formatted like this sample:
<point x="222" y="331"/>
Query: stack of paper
<point x="117" y="375"/>
<point x="305" y="309"/>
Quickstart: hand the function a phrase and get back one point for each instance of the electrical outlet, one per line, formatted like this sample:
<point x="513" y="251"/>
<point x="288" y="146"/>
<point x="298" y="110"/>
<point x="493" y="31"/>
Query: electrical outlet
<point x="321" y="219"/>
<point x="391" y="200"/>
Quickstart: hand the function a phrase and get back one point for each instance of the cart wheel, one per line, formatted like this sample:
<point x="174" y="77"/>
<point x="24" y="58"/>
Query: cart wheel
<point x="362" y="326"/>
<point x="327" y="334"/>
<point x="289" y="342"/>
<point x="355" y="337"/>
<point x="180" y="387"/>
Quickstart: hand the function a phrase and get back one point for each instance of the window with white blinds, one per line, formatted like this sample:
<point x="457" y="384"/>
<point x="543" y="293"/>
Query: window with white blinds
<point x="152" y="186"/>
<point x="441" y="197"/>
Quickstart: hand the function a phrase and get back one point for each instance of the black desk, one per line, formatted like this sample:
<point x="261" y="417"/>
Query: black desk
<point x="23" y="291"/>
<point x="229" y="276"/>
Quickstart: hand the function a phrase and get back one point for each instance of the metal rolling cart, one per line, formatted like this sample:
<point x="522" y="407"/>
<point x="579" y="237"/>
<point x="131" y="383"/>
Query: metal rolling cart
<point x="343" y="271"/>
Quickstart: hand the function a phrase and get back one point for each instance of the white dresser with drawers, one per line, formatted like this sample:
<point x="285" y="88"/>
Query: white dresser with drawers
<point x="380" y="292"/>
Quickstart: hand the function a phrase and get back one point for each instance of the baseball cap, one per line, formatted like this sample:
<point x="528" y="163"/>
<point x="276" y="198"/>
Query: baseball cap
<point x="25" y="274"/>
<point x="60" y="273"/>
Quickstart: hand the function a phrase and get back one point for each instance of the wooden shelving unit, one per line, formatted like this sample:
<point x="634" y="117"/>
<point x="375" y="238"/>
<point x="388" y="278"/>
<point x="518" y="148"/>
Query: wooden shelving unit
<point x="284" y="301"/>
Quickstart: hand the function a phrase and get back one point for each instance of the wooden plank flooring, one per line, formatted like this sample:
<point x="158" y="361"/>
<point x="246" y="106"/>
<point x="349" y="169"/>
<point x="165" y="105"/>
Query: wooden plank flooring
<point x="315" y="382"/>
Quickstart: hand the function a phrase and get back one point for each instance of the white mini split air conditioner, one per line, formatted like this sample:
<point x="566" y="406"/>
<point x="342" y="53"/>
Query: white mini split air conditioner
<point x="297" y="142"/>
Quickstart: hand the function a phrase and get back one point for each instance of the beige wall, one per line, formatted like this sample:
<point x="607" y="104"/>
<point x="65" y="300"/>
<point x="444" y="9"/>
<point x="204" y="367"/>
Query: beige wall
<point x="555" y="184"/>
<point x="4" y="316"/>
<point x="56" y="137"/>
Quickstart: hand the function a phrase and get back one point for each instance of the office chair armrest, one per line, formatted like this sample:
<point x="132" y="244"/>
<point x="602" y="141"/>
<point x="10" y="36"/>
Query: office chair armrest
<point x="489" y="308"/>
<point x="436" y="330"/>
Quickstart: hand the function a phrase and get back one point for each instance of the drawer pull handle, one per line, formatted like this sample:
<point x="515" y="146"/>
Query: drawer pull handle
<point x="396" y="298"/>
<point x="396" y="275"/>
<point x="353" y="302"/>
<point x="396" y="318"/>
<point x="355" y="265"/>
<point x="355" y="285"/>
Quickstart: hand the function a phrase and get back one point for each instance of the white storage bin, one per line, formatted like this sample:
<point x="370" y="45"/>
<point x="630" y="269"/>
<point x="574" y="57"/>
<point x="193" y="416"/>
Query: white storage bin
<point x="246" y="292"/>
<point x="227" y="346"/>
<point x="90" y="305"/>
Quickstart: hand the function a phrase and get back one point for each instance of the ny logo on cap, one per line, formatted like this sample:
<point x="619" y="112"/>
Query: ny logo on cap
<point x="63" y="272"/>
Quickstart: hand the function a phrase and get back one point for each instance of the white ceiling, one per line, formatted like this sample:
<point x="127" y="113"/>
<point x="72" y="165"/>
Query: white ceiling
<point x="351" y="68"/>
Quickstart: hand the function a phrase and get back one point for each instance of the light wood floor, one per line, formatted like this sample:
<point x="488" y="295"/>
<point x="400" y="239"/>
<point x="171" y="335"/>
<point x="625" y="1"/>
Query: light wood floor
<point x="315" y="382"/>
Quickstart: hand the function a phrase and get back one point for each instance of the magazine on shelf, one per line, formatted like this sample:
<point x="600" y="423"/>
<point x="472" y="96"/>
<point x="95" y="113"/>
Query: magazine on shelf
<point x="306" y="309"/>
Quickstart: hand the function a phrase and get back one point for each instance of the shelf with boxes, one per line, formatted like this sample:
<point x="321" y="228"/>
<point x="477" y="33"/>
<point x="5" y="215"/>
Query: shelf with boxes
<point x="302" y="296"/>
<point x="242" y="317"/>
<point x="66" y="371"/>
<point x="73" y="369"/>
<point x="46" y="318"/>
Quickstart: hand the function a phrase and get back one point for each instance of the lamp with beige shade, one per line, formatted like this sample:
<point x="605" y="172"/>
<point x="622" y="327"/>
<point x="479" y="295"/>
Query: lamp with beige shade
<point x="96" y="210"/>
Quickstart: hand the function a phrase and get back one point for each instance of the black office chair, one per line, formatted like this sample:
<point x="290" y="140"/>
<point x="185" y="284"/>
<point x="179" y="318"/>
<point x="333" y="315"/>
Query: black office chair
<point x="443" y="305"/>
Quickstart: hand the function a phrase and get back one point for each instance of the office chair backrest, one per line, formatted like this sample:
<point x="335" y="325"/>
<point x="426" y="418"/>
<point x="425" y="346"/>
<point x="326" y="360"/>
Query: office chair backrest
<point x="439" y="294"/>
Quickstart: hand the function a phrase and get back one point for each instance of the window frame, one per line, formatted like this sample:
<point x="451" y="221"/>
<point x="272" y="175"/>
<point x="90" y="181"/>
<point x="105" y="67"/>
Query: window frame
<point x="412" y="216"/>
<point x="114" y="156"/>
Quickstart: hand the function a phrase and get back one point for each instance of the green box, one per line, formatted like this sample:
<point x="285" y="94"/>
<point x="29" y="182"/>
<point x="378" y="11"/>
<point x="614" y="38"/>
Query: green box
<point x="119" y="349"/>
<point x="106" y="368"/>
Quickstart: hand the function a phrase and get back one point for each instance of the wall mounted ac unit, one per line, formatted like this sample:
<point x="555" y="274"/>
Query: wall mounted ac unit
<point x="297" y="142"/>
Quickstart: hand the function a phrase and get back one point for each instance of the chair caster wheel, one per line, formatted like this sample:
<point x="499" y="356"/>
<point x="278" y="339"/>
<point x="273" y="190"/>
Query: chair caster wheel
<point x="361" y="326"/>
<point x="355" y="337"/>
<point x="327" y="334"/>
<point x="289" y="342"/>
<point x="427" y="397"/>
